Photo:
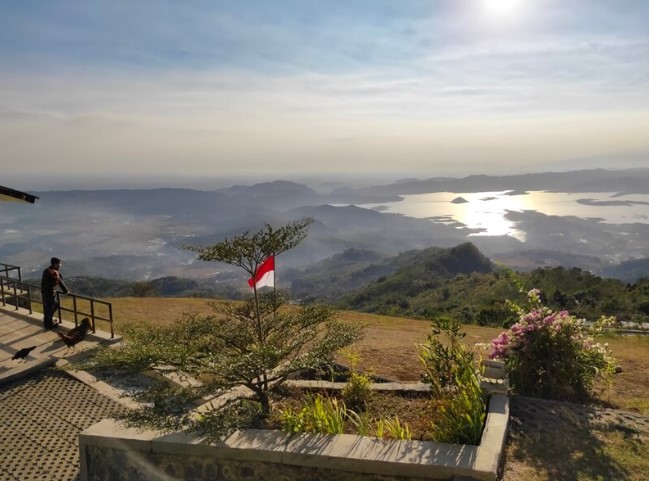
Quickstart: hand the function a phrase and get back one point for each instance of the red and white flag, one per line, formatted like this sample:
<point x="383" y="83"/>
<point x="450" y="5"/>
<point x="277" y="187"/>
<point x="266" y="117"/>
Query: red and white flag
<point x="265" y="274"/>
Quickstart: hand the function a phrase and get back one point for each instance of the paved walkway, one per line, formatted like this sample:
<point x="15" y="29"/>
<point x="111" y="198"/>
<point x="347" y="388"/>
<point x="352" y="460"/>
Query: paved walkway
<point x="40" y="420"/>
<point x="42" y="408"/>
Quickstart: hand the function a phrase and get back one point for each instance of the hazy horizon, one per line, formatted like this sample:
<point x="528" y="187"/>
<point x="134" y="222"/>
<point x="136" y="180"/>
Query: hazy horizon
<point x="323" y="181"/>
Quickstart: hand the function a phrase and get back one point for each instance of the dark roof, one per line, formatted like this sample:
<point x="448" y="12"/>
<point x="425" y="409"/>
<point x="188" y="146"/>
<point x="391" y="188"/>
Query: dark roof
<point x="12" y="195"/>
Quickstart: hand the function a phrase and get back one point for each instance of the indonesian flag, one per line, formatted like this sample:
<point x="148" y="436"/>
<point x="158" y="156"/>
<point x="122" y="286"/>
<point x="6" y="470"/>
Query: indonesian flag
<point x="265" y="274"/>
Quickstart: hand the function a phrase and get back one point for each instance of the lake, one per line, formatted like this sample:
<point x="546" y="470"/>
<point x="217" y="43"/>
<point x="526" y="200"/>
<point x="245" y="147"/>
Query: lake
<point x="487" y="210"/>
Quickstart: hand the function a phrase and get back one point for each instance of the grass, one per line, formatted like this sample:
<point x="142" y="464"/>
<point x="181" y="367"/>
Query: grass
<point x="543" y="445"/>
<point x="630" y="389"/>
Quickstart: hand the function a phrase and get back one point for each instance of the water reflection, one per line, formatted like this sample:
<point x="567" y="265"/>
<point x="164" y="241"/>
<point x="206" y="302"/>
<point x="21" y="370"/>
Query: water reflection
<point x="487" y="211"/>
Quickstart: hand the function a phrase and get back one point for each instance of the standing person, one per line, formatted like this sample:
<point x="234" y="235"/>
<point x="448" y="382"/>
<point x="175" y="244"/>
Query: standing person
<point x="52" y="279"/>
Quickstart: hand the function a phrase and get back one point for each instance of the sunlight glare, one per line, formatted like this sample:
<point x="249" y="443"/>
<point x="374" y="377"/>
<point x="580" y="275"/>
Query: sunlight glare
<point x="501" y="7"/>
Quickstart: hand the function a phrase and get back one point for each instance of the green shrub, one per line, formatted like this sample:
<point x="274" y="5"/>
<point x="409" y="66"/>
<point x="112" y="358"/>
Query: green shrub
<point x="357" y="392"/>
<point x="319" y="415"/>
<point x="455" y="385"/>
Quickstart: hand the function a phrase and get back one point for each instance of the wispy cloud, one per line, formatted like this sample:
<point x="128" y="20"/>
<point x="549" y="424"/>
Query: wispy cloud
<point x="155" y="82"/>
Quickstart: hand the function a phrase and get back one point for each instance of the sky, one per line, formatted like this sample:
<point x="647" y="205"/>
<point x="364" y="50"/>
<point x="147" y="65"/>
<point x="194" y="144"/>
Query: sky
<point x="159" y="90"/>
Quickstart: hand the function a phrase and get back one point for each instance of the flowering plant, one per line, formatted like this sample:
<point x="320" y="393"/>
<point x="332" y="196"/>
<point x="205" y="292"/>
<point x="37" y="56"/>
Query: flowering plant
<point x="552" y="354"/>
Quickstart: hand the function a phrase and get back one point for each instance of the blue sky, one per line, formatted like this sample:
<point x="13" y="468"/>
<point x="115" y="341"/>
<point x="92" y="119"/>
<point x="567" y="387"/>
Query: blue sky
<point x="288" y="88"/>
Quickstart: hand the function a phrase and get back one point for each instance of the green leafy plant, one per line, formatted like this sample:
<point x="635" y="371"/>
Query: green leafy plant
<point x="393" y="429"/>
<point x="455" y="385"/>
<point x="328" y="415"/>
<point x="320" y="414"/>
<point x="362" y="422"/>
<point x="461" y="415"/>
<point x="552" y="354"/>
<point x="357" y="392"/>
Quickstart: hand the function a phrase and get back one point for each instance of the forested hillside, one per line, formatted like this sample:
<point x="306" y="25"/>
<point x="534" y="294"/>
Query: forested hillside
<point x="480" y="298"/>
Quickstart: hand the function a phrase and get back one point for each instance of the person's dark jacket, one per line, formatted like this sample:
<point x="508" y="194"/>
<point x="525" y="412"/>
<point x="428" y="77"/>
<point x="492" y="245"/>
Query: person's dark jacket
<point x="51" y="279"/>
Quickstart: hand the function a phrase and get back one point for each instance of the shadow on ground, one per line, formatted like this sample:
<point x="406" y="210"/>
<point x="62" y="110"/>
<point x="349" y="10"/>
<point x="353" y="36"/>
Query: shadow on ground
<point x="549" y="440"/>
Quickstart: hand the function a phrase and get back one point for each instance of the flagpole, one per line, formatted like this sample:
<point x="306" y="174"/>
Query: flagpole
<point x="274" y="288"/>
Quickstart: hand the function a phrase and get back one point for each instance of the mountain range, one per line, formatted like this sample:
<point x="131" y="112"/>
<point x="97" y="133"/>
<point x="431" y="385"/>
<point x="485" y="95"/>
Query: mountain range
<point x="139" y="235"/>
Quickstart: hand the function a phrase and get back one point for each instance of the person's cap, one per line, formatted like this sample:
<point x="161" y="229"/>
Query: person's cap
<point x="55" y="260"/>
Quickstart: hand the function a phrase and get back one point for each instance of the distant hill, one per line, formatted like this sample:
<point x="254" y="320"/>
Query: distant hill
<point x="530" y="259"/>
<point x="279" y="194"/>
<point x="629" y="271"/>
<point x="424" y="270"/>
<point x="161" y="287"/>
<point x="595" y="180"/>
<point x="332" y="278"/>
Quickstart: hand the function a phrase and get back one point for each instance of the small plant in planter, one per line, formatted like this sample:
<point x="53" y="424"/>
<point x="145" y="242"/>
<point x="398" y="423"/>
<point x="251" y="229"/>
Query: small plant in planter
<point x="357" y="392"/>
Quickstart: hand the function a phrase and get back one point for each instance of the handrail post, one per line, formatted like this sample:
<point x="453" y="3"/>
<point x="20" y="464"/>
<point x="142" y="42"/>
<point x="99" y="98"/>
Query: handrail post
<point x="15" y="294"/>
<point x="92" y="315"/>
<point x="74" y="307"/>
<point x="110" y="316"/>
<point x="58" y="302"/>
<point x="29" y="298"/>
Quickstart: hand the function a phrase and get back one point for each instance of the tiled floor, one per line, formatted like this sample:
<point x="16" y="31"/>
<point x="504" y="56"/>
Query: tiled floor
<point x="40" y="420"/>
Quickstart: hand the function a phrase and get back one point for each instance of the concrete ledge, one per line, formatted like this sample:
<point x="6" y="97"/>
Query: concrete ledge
<point x="375" y="386"/>
<point x="26" y="369"/>
<point x="353" y="457"/>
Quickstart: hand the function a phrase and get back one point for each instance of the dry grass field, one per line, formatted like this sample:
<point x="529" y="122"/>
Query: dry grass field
<point x="605" y="440"/>
<point x="388" y="347"/>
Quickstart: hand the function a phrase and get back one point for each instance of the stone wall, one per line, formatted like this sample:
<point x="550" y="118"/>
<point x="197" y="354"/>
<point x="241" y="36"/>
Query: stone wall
<point x="119" y="465"/>
<point x="109" y="451"/>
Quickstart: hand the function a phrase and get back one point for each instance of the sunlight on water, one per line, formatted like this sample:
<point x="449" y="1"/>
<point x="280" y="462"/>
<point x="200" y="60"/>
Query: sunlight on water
<point x="487" y="211"/>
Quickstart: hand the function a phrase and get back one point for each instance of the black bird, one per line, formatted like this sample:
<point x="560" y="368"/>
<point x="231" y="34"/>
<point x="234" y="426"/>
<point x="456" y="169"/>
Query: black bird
<point x="23" y="353"/>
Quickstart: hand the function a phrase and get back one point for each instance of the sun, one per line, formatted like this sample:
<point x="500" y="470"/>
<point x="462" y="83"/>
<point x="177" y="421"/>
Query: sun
<point x="501" y="7"/>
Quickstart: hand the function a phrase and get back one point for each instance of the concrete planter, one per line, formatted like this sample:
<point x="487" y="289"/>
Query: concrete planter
<point x="109" y="451"/>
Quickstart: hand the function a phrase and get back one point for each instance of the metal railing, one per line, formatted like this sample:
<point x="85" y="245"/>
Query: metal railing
<point x="25" y="295"/>
<point x="7" y="268"/>
<point x="77" y="311"/>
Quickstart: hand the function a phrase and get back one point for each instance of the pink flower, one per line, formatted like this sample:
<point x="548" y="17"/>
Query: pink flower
<point x="550" y="319"/>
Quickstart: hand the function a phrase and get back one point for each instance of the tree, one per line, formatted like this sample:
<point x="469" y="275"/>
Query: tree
<point x="256" y="343"/>
<point x="249" y="250"/>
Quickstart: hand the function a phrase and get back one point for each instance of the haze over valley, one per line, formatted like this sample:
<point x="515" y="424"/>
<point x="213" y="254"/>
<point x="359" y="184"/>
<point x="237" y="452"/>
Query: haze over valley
<point x="139" y="234"/>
